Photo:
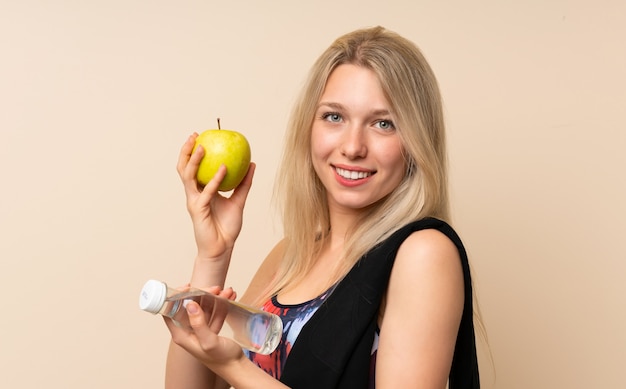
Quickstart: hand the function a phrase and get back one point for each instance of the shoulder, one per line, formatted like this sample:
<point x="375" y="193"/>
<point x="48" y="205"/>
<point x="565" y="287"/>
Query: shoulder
<point x="427" y="267"/>
<point x="429" y="257"/>
<point x="428" y="246"/>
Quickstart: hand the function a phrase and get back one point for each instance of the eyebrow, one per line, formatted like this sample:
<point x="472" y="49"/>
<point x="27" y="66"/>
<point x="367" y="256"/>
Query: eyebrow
<point x="337" y="106"/>
<point x="330" y="105"/>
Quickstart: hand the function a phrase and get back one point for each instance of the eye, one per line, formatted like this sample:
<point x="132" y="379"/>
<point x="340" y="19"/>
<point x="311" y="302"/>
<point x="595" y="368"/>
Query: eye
<point x="385" y="125"/>
<point x="332" y="117"/>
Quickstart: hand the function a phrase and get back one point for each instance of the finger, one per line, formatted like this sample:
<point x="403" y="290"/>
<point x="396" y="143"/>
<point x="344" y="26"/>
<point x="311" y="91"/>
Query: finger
<point x="184" y="337"/>
<point x="190" y="170"/>
<point x="214" y="308"/>
<point x="240" y="194"/>
<point x="195" y="313"/>
<point x="228" y="293"/>
<point x="207" y="337"/>
<point x="212" y="186"/>
<point x="207" y="302"/>
<point x="189" y="163"/>
<point x="185" y="153"/>
<point x="218" y="314"/>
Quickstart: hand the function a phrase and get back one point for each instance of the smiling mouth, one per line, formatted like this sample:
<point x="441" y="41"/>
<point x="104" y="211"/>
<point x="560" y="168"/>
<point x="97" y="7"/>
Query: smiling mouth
<point x="351" y="174"/>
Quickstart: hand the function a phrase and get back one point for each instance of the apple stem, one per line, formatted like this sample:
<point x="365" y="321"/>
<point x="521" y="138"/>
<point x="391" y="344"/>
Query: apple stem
<point x="218" y="124"/>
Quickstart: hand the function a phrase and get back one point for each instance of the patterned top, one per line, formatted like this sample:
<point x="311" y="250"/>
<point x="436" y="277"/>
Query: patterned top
<point x="294" y="317"/>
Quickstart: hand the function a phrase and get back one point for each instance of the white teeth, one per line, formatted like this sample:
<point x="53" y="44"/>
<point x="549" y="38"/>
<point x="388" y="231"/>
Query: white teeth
<point x="352" y="175"/>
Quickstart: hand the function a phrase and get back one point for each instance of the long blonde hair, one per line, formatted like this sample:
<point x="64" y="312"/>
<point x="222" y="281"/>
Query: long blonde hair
<point x="411" y="88"/>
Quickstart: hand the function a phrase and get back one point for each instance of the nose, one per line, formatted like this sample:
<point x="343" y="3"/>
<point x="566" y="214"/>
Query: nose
<point x="354" y="143"/>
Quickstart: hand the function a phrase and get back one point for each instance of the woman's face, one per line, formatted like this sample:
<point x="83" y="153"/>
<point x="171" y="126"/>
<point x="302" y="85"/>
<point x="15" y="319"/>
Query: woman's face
<point x="356" y="150"/>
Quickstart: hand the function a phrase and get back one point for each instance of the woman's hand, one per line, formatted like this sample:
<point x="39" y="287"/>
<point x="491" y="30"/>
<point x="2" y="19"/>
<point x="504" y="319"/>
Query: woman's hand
<point x="202" y="340"/>
<point x="216" y="219"/>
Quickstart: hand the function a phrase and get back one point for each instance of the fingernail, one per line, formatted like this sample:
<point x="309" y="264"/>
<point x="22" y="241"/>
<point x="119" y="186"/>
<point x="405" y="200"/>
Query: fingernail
<point x="192" y="309"/>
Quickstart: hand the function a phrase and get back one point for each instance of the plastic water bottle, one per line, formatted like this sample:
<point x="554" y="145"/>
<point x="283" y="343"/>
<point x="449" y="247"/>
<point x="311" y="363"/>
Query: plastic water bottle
<point x="253" y="329"/>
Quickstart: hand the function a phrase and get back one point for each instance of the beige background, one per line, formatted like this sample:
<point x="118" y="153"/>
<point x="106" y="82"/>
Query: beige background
<point x="96" y="98"/>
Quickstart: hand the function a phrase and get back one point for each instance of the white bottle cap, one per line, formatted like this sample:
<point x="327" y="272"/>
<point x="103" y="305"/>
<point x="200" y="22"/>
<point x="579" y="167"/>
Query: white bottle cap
<point x="152" y="296"/>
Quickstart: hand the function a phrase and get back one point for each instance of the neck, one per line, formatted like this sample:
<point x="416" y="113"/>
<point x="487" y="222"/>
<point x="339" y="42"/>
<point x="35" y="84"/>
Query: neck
<point x="342" y="224"/>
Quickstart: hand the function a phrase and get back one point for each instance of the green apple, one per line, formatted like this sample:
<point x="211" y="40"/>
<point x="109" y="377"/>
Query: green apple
<point x="226" y="147"/>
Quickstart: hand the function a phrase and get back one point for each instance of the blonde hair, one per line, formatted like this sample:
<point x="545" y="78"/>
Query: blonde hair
<point x="411" y="88"/>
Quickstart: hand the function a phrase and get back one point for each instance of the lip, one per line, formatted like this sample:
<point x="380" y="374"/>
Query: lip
<point x="352" y="182"/>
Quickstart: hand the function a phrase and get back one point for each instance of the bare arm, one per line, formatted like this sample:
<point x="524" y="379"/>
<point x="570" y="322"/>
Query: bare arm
<point x="187" y="362"/>
<point x="183" y="370"/>
<point x="422" y="313"/>
<point x="217" y="221"/>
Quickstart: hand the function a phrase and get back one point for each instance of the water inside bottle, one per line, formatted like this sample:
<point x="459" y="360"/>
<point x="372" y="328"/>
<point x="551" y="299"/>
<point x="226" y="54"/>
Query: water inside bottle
<point x="256" y="331"/>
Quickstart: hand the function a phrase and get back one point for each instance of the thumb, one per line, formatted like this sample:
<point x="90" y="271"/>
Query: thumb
<point x="207" y="339"/>
<point x="196" y="317"/>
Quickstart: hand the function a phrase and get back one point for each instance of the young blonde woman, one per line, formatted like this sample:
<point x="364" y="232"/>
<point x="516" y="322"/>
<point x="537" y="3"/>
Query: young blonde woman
<point x="372" y="284"/>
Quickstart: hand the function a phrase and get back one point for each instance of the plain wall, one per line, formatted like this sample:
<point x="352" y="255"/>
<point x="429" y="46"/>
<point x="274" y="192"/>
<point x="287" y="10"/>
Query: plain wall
<point x="96" y="98"/>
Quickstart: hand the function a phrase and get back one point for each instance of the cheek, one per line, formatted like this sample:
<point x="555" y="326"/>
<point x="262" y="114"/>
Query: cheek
<point x="320" y="144"/>
<point x="395" y="165"/>
<point x="392" y="156"/>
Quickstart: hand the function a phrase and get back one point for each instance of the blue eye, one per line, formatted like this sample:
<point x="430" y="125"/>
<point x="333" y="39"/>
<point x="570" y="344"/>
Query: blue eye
<point x="332" y="117"/>
<point x="385" y="125"/>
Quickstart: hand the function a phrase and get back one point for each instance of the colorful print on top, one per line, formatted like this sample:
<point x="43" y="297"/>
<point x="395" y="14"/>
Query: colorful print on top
<point x="294" y="317"/>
